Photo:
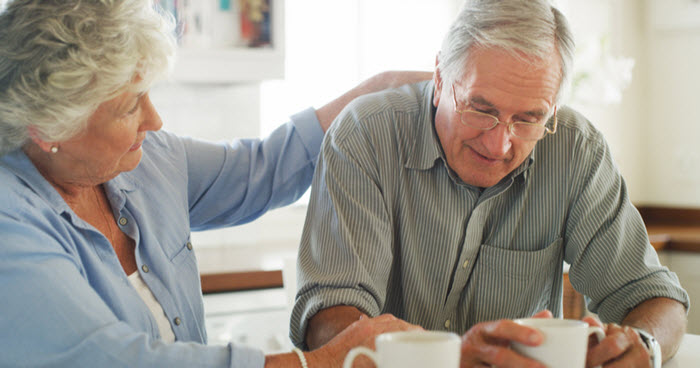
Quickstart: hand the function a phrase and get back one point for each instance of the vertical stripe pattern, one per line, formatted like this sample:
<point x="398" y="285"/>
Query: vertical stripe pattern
<point x="390" y="229"/>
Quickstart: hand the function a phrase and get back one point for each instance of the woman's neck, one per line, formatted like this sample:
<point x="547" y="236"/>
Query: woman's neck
<point x="61" y="176"/>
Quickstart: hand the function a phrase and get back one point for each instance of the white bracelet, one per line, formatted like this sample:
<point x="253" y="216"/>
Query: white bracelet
<point x="301" y="356"/>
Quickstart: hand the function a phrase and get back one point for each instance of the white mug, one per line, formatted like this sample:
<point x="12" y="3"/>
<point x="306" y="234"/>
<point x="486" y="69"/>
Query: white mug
<point x="411" y="349"/>
<point x="565" y="341"/>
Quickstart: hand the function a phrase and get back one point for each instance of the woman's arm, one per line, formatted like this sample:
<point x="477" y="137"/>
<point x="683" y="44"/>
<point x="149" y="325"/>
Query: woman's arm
<point x="234" y="183"/>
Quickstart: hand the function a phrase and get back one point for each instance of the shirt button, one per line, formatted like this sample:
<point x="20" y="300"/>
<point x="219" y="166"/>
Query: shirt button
<point x="145" y="268"/>
<point x="123" y="221"/>
<point x="464" y="265"/>
<point x="447" y="324"/>
<point x="189" y="245"/>
<point x="177" y="321"/>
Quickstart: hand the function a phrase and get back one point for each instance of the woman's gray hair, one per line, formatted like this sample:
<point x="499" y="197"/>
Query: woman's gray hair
<point x="60" y="59"/>
<point x="530" y="27"/>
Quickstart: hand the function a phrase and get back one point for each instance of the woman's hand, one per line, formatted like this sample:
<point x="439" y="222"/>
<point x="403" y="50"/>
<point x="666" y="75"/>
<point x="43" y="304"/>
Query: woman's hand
<point x="361" y="333"/>
<point x="381" y="81"/>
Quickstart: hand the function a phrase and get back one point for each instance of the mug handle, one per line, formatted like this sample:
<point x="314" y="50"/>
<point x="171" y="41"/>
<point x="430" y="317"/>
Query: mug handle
<point x="599" y="334"/>
<point x="359" y="351"/>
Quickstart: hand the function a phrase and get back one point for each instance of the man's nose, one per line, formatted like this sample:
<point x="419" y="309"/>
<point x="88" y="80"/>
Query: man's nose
<point x="498" y="141"/>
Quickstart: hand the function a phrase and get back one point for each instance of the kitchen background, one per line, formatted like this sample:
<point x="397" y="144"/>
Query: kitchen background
<point x="636" y="80"/>
<point x="245" y="65"/>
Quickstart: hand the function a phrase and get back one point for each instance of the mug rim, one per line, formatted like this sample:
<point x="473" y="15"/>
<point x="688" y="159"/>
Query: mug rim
<point x="551" y="322"/>
<point x="427" y="337"/>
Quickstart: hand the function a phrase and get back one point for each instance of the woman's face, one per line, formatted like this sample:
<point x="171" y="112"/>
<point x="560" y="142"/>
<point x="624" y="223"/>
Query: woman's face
<point x="112" y="141"/>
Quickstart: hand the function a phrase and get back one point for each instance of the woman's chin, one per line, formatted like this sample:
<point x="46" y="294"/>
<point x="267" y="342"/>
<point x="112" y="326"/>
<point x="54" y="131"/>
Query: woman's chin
<point x="131" y="160"/>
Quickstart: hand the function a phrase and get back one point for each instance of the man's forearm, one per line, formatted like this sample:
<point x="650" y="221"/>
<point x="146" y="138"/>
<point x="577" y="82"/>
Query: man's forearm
<point x="664" y="318"/>
<point x="328" y="323"/>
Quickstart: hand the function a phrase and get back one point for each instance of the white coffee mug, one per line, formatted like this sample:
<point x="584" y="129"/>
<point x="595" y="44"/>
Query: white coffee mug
<point x="411" y="349"/>
<point x="565" y="341"/>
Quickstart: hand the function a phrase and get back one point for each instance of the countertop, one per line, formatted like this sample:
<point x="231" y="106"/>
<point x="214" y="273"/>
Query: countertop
<point x="669" y="229"/>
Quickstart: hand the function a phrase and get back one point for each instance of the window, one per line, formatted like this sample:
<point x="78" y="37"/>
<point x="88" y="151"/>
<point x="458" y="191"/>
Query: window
<point x="333" y="45"/>
<point x="330" y="47"/>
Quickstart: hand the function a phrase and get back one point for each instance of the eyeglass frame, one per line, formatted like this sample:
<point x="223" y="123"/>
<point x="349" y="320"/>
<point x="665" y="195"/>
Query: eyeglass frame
<point x="547" y="130"/>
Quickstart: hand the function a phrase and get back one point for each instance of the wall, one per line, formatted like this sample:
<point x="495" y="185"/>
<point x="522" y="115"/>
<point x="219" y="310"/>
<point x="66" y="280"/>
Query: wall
<point x="671" y="151"/>
<point x="209" y="111"/>
<point x="652" y="156"/>
<point x="328" y="50"/>
<point x="685" y="265"/>
<point x="606" y="33"/>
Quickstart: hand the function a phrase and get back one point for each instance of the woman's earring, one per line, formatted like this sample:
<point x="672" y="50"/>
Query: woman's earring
<point x="54" y="149"/>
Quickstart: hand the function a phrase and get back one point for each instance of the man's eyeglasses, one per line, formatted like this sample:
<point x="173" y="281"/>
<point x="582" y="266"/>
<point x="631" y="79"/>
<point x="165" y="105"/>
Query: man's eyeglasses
<point x="521" y="129"/>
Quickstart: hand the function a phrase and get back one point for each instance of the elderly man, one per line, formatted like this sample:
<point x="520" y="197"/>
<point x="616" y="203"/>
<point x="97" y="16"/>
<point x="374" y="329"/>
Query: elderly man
<point x="453" y="204"/>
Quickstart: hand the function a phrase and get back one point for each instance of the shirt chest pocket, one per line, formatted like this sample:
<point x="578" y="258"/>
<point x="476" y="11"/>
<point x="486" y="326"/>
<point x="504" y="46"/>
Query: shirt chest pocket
<point x="181" y="251"/>
<point x="515" y="283"/>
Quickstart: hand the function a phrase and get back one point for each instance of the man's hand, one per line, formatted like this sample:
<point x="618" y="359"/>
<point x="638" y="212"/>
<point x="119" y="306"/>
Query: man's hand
<point x="663" y="318"/>
<point x="488" y="344"/>
<point x="622" y="347"/>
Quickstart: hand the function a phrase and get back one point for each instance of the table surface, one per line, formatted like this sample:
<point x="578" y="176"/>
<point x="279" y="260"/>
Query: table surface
<point x="688" y="355"/>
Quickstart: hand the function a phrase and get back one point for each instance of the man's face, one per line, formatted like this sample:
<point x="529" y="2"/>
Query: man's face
<point x="497" y="83"/>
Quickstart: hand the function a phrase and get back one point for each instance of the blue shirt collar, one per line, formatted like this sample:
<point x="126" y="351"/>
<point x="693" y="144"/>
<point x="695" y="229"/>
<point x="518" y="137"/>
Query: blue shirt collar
<point x="19" y="163"/>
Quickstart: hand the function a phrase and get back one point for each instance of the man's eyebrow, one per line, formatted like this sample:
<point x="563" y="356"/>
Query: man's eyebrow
<point x="484" y="102"/>
<point x="481" y="101"/>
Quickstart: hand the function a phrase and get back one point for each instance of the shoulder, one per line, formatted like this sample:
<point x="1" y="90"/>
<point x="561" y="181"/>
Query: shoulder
<point x="17" y="196"/>
<point x="575" y="126"/>
<point x="576" y="139"/>
<point x="28" y="222"/>
<point x="382" y="113"/>
<point x="163" y="155"/>
<point x="405" y="99"/>
<point x="162" y="143"/>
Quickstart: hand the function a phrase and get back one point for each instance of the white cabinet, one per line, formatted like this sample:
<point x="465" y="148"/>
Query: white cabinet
<point x="230" y="65"/>
<point x="256" y="318"/>
<point x="685" y="265"/>
<point x="674" y="14"/>
<point x="211" y="47"/>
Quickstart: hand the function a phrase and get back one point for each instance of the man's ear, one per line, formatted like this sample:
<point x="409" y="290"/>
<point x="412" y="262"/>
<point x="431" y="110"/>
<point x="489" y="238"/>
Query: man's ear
<point x="437" y="81"/>
<point x="34" y="136"/>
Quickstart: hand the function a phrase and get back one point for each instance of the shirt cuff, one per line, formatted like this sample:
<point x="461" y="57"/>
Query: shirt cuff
<point x="246" y="357"/>
<point x="309" y="128"/>
<point x="310" y="302"/>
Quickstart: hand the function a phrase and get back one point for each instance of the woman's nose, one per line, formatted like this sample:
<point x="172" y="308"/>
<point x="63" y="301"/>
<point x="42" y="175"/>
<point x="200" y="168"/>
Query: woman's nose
<point x="150" y="117"/>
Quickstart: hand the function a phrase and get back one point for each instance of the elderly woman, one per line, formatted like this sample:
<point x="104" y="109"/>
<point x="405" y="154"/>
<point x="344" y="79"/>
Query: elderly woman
<point x="97" y="204"/>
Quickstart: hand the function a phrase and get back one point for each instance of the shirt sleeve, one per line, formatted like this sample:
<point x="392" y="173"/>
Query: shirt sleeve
<point x="236" y="182"/>
<point x="52" y="317"/>
<point x="612" y="261"/>
<point x="346" y="247"/>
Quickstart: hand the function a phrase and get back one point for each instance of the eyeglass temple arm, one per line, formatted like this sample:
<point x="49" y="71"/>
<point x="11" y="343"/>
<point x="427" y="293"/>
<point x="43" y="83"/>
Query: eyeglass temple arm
<point x="554" y="129"/>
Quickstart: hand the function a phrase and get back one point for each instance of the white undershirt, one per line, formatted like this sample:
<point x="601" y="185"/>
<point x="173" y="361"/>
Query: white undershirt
<point x="166" y="330"/>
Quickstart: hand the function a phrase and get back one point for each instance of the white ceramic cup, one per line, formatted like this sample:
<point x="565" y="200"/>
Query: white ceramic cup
<point x="565" y="341"/>
<point x="411" y="349"/>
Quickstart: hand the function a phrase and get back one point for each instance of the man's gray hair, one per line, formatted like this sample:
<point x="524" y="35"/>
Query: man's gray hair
<point x="60" y="59"/>
<point x="530" y="27"/>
